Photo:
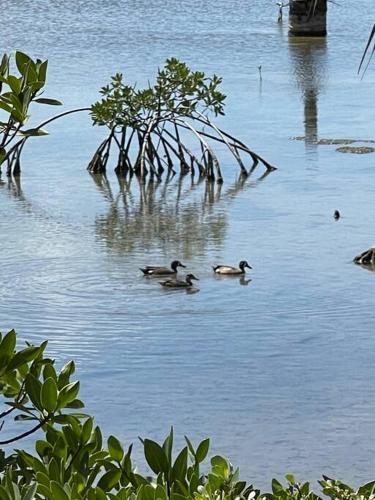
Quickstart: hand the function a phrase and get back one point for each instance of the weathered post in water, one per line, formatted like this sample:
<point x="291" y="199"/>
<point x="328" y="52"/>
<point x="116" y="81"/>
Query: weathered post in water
<point x="308" y="17"/>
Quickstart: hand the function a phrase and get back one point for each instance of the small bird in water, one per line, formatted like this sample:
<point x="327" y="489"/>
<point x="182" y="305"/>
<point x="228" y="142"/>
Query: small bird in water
<point x="232" y="270"/>
<point x="336" y="215"/>
<point x="173" y="283"/>
<point x="160" y="270"/>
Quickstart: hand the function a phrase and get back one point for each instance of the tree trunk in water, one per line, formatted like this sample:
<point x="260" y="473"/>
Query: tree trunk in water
<point x="305" y="20"/>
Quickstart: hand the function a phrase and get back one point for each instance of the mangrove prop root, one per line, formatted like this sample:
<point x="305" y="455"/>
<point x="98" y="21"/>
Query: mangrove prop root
<point x="157" y="145"/>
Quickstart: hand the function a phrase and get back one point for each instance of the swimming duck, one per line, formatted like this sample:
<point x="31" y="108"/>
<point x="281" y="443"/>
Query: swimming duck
<point x="180" y="283"/>
<point x="160" y="270"/>
<point x="232" y="270"/>
<point x="336" y="215"/>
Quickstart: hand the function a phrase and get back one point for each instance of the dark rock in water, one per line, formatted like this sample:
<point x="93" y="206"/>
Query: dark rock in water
<point x="366" y="258"/>
<point x="336" y="215"/>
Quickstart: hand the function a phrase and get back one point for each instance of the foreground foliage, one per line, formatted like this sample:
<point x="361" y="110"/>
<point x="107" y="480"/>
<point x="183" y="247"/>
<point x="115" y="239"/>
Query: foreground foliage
<point x="72" y="461"/>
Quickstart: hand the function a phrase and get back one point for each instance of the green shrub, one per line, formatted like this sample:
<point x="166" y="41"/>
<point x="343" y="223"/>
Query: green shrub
<point x="71" y="460"/>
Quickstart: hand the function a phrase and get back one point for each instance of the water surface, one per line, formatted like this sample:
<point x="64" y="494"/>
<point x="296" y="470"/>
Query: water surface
<point x="279" y="370"/>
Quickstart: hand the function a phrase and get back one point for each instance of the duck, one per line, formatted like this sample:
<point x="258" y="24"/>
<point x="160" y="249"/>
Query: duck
<point x="232" y="270"/>
<point x="160" y="270"/>
<point x="336" y="215"/>
<point x="174" y="283"/>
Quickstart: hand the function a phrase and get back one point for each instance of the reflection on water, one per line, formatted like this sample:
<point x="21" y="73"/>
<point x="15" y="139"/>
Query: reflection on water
<point x="279" y="373"/>
<point x="243" y="280"/>
<point x="13" y="185"/>
<point x="309" y="61"/>
<point x="181" y="217"/>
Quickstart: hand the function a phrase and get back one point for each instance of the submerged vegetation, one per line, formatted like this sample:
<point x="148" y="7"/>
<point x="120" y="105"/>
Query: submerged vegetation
<point x="71" y="460"/>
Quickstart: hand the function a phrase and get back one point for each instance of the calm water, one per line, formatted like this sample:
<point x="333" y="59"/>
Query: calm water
<point x="278" y="371"/>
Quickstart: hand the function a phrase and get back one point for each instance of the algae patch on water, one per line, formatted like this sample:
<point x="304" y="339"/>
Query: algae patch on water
<point x="359" y="150"/>
<point x="344" y="144"/>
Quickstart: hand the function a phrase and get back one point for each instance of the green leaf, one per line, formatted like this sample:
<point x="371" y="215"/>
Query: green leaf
<point x="160" y="493"/>
<point x="99" y="494"/>
<point x="45" y="491"/>
<point x="193" y="483"/>
<point x="4" y="494"/>
<point x="68" y="394"/>
<point x="76" y="403"/>
<point x="35" y="85"/>
<point x="30" y="492"/>
<point x="290" y="478"/>
<point x="190" y="446"/>
<point x="148" y="492"/>
<point x="21" y="61"/>
<point x="109" y="479"/>
<point x="49" y="395"/>
<point x="177" y="496"/>
<point x="60" y="448"/>
<point x="43" y="448"/>
<point x="366" y="489"/>
<point x="5" y="107"/>
<point x="220" y="466"/>
<point x="58" y="492"/>
<point x="6" y="350"/>
<point x="115" y="449"/>
<point x="49" y="371"/>
<point x="33" y="132"/>
<point x="65" y="374"/>
<point x="43" y="71"/>
<point x="202" y="450"/>
<point x="168" y="445"/>
<point x="21" y="357"/>
<point x="305" y="489"/>
<point x="87" y="430"/>
<point x="180" y="466"/>
<point x="155" y="456"/>
<point x="127" y="463"/>
<point x="276" y="487"/>
<point x="24" y="417"/>
<point x="14" y="83"/>
<point x="4" y="65"/>
<point x="8" y="344"/>
<point x="63" y="419"/>
<point x="45" y="100"/>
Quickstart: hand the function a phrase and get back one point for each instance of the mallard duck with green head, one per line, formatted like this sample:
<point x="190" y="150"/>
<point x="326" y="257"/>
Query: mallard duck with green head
<point x="232" y="270"/>
<point x="161" y="270"/>
<point x="174" y="283"/>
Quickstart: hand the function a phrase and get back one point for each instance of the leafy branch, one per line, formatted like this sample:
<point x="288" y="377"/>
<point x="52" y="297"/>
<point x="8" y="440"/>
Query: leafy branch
<point x="148" y="126"/>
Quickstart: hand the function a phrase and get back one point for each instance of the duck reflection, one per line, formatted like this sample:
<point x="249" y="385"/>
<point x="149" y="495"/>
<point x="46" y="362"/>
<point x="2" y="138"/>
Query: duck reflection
<point x="241" y="280"/>
<point x="309" y="59"/>
<point x="180" y="216"/>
